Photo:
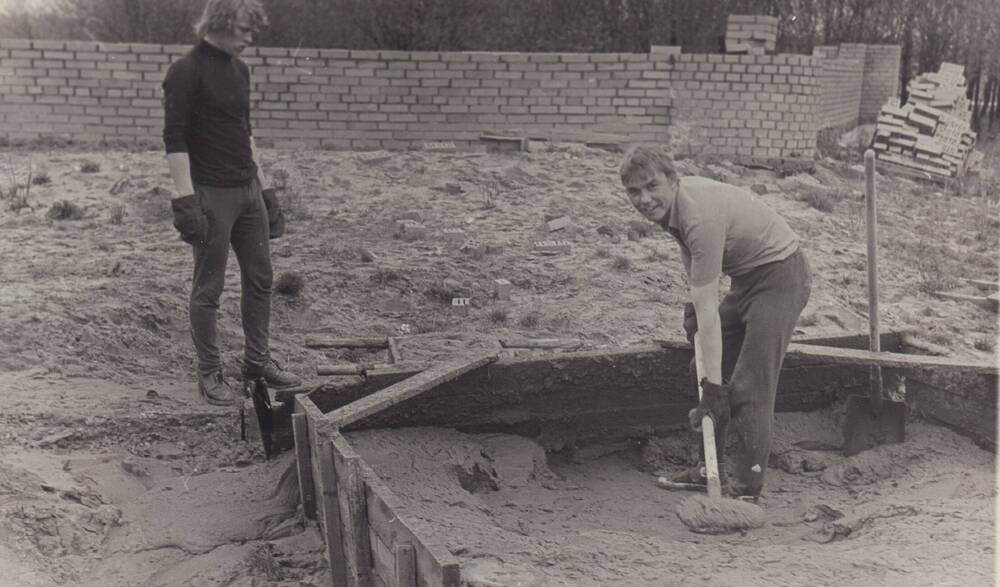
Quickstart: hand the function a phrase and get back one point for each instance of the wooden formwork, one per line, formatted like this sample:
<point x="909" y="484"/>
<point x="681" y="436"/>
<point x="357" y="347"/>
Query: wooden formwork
<point x="572" y="397"/>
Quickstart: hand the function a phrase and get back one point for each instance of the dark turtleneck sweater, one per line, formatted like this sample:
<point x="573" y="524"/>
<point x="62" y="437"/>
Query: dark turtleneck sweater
<point x="206" y="102"/>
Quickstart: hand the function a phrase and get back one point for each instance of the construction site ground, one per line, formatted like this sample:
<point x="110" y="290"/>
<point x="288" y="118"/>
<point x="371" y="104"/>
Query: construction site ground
<point x="114" y="472"/>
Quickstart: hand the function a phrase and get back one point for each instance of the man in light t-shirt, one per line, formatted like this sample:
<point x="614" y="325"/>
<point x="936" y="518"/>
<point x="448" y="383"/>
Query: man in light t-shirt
<point x="723" y="230"/>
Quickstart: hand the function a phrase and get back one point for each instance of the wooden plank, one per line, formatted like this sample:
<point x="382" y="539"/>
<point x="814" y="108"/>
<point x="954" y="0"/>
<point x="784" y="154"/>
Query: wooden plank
<point x="315" y="342"/>
<point x="433" y="565"/>
<point x="383" y="561"/>
<point x="303" y="465"/>
<point x="609" y="394"/>
<point x="366" y="368"/>
<point x="405" y="390"/>
<point x="539" y="343"/>
<point x="965" y="402"/>
<point x="344" y="369"/>
<point x="594" y="394"/>
<point x="328" y="508"/>
<point x="889" y="341"/>
<point x="353" y="512"/>
<point x="406" y="575"/>
<point x="882" y="359"/>
<point x="331" y="395"/>
<point x="986" y="302"/>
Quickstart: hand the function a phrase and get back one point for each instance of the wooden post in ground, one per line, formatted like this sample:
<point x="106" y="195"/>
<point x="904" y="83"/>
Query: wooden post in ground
<point x="353" y="512"/>
<point x="332" y="523"/>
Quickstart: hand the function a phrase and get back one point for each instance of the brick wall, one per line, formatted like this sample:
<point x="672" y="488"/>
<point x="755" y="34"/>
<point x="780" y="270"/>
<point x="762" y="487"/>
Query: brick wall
<point x="338" y="98"/>
<point x="749" y="106"/>
<point x="881" y="79"/>
<point x="840" y="83"/>
<point x="754" y="106"/>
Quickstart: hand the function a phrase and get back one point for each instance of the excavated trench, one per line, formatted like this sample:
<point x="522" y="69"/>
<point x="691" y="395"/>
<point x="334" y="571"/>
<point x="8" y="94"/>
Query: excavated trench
<point x="513" y="514"/>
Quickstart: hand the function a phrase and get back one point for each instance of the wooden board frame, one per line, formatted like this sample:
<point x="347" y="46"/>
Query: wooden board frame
<point x="372" y="539"/>
<point x="369" y="540"/>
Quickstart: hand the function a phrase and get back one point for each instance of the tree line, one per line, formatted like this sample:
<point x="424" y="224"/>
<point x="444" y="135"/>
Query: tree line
<point x="930" y="32"/>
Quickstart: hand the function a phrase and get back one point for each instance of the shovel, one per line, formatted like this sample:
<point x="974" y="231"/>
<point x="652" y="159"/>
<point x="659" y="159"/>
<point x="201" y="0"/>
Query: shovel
<point x="257" y="415"/>
<point x="871" y="420"/>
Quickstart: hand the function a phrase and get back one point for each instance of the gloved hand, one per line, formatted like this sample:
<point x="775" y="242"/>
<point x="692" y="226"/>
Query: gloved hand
<point x="275" y="216"/>
<point x="714" y="403"/>
<point x="189" y="219"/>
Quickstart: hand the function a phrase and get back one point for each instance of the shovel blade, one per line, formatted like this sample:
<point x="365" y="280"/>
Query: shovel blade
<point x="864" y="429"/>
<point x="257" y="418"/>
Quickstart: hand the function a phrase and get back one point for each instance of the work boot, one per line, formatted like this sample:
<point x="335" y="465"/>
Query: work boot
<point x="277" y="377"/>
<point x="215" y="389"/>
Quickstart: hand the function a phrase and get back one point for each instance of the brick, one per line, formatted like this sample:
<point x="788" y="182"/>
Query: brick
<point x="553" y="247"/>
<point x="445" y="146"/>
<point x="473" y="247"/>
<point x="453" y="235"/>
<point x="501" y="289"/>
<point x="558" y="223"/>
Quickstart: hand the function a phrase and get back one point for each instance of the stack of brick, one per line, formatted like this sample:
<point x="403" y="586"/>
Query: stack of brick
<point x="751" y="33"/>
<point x="931" y="132"/>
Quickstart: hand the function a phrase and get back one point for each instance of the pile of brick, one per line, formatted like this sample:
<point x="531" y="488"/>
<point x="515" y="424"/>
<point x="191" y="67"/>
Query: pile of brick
<point x="931" y="132"/>
<point x="751" y="33"/>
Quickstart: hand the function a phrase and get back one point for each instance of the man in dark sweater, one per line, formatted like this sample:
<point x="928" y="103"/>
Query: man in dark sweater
<point x="220" y="200"/>
<point x="723" y="230"/>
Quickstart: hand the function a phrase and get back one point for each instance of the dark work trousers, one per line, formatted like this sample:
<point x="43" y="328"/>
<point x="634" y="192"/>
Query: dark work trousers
<point x="758" y="316"/>
<point x="236" y="216"/>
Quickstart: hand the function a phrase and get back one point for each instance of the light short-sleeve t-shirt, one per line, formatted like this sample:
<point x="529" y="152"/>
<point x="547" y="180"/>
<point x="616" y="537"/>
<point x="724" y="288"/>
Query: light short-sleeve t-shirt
<point x="724" y="230"/>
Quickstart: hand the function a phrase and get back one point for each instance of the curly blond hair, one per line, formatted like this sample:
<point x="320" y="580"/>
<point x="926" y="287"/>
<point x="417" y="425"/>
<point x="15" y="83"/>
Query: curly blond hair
<point x="221" y="15"/>
<point x="642" y="161"/>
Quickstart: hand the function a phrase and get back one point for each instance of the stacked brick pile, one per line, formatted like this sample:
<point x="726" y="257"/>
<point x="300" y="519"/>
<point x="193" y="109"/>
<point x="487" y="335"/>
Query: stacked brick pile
<point x="931" y="132"/>
<point x="751" y="33"/>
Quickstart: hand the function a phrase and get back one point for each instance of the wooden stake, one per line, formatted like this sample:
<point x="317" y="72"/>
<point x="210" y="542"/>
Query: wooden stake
<point x="394" y="354"/>
<point x="353" y="512"/>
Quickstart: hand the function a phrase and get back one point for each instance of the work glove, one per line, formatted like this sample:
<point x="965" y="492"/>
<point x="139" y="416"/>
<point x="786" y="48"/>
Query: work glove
<point x="714" y="402"/>
<point x="190" y="220"/>
<point x="275" y="216"/>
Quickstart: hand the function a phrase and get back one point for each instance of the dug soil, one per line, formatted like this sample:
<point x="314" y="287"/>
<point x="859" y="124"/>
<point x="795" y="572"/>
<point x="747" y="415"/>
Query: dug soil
<point x="113" y="472"/>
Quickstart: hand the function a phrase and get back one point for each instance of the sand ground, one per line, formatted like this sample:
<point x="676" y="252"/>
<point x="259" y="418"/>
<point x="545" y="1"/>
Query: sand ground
<point x="112" y="472"/>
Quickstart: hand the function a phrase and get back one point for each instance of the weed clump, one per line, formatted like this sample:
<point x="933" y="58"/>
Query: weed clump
<point x="531" y="320"/>
<point x="499" y="315"/>
<point x="383" y="276"/>
<point x="117" y="214"/>
<point x="820" y="200"/>
<point x="621" y="263"/>
<point x="89" y="167"/>
<point x="983" y="343"/>
<point x="64" y="210"/>
<point x="289" y="283"/>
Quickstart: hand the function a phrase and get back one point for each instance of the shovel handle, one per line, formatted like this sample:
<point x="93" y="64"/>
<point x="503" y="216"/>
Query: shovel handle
<point x="707" y="432"/>
<point x="871" y="225"/>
